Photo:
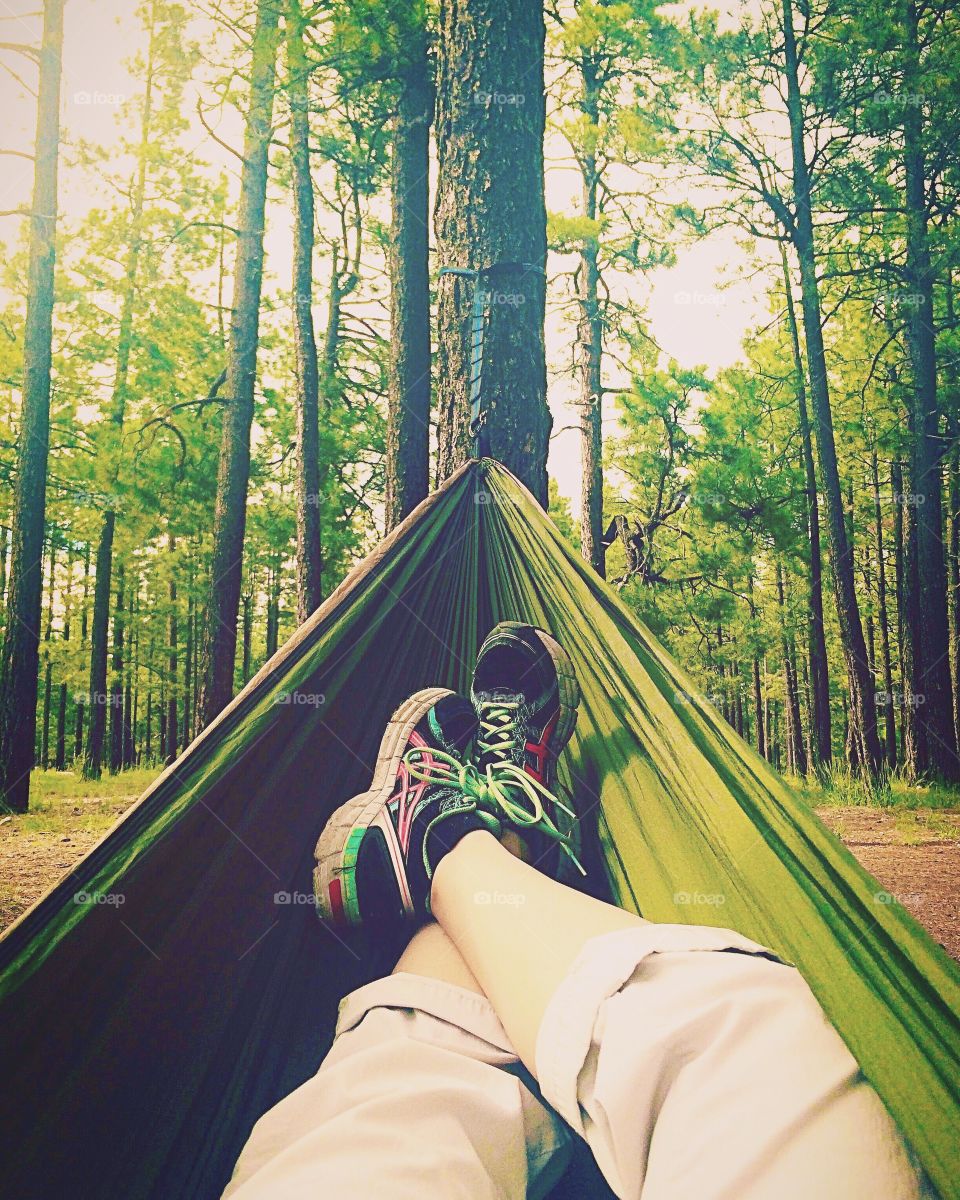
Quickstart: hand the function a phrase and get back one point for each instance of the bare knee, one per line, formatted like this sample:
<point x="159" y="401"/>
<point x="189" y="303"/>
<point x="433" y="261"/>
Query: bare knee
<point x="431" y="953"/>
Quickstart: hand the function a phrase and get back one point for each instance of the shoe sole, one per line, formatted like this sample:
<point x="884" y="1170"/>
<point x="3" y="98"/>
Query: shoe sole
<point x="334" y="877"/>
<point x="567" y="686"/>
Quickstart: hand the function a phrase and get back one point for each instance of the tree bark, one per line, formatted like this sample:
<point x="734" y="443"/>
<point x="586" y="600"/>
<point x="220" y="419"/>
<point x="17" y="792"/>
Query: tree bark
<point x="819" y="664"/>
<point x="758" y="710"/>
<point x="273" y="610"/>
<point x="890" y="723"/>
<point x="490" y="210"/>
<point x="4" y="551"/>
<point x="796" y="752"/>
<point x="21" y="640"/>
<point x="905" y="623"/>
<point x="116" y="683"/>
<point x="247" y="635"/>
<point x="188" y="656"/>
<point x="863" y="717"/>
<point x="932" y="662"/>
<point x="309" y="562"/>
<point x="952" y="405"/>
<point x="44" y="756"/>
<point x="173" y="723"/>
<point x="408" y="426"/>
<point x="60" y="752"/>
<point x="590" y="342"/>
<point x="229" y="519"/>
<point x="131" y="671"/>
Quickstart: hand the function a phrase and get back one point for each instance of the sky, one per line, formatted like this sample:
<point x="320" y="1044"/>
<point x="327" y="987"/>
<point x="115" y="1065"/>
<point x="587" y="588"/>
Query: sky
<point x="698" y="310"/>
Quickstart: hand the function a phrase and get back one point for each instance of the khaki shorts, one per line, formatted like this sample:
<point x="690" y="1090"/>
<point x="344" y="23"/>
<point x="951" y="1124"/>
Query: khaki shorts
<point x="694" y="1064"/>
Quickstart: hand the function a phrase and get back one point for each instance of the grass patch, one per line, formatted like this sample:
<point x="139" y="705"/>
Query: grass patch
<point x="914" y="827"/>
<point x="63" y="801"/>
<point x="843" y="790"/>
<point x="70" y="785"/>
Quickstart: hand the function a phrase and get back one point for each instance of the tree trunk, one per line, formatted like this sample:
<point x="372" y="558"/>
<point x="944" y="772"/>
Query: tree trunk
<point x="44" y="755"/>
<point x="871" y="628"/>
<point x="758" y="710"/>
<point x="132" y="675"/>
<point x="80" y="716"/>
<point x="247" y="636"/>
<point x="173" y="724"/>
<point x="863" y="716"/>
<point x="819" y="668"/>
<point x="905" y="638"/>
<point x="490" y="210"/>
<point x="932" y="680"/>
<point x="116" y="683"/>
<point x="21" y="640"/>
<point x="590" y="341"/>
<point x="60" y="752"/>
<point x="99" y="628"/>
<point x="796" y="752"/>
<point x="4" y="550"/>
<point x="408" y="432"/>
<point x="273" y="611"/>
<point x="890" y="724"/>
<point x="309" y="564"/>
<point x="188" y="653"/>
<point x="952" y="373"/>
<point x="229" y="518"/>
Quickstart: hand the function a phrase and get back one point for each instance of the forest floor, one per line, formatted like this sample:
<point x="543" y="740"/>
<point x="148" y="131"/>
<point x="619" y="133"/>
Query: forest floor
<point x="911" y="844"/>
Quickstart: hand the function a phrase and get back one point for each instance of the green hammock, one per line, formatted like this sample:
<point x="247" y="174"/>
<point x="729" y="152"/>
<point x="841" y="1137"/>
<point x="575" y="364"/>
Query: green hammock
<point x="143" y="1031"/>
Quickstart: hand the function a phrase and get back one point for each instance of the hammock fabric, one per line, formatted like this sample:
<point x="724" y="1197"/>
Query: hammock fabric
<point x="144" y="1029"/>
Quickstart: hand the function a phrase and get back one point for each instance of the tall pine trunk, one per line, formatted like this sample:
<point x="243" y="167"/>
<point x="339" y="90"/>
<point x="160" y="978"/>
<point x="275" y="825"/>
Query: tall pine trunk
<point x="932" y="655"/>
<point x="490" y="210"/>
<point x="44" y="756"/>
<point x="118" y="406"/>
<point x="821" y="734"/>
<point x="590" y="341"/>
<point x="905" y="625"/>
<point x="173" y="724"/>
<point x="408" y="433"/>
<point x="796" y="751"/>
<point x="863" y="738"/>
<point x="116" y="682"/>
<point x="21" y="640"/>
<point x="952" y="406"/>
<point x="309" y="563"/>
<point x="890" y="723"/>
<point x="230" y="511"/>
<point x="188" y="657"/>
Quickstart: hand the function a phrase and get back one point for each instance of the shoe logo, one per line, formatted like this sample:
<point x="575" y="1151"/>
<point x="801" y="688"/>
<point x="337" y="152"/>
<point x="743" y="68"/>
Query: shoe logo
<point x="404" y="801"/>
<point x="540" y="750"/>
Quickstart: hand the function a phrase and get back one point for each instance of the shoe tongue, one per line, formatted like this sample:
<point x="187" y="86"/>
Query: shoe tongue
<point x="454" y="723"/>
<point x="499" y="696"/>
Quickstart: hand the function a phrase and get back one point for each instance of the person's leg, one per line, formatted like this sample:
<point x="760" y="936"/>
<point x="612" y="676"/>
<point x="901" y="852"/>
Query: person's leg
<point x="431" y="954"/>
<point x="691" y="1073"/>
<point x="421" y="1095"/>
<point x="518" y="930"/>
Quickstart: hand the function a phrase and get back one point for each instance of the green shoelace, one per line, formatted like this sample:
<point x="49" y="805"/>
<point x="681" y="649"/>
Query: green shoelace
<point x="498" y="727"/>
<point x="502" y="791"/>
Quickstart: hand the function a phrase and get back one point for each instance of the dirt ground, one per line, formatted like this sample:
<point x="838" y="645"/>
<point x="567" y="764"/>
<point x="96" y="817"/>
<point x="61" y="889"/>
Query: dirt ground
<point x="914" y="855"/>
<point x="37" y="848"/>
